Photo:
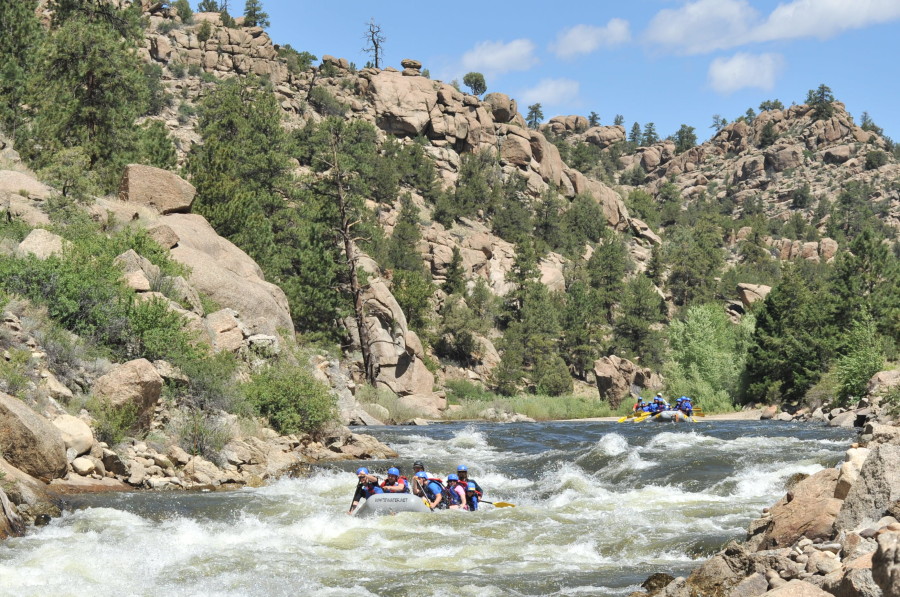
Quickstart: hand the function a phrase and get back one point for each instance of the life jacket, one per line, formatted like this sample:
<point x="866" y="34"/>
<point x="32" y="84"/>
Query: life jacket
<point x="453" y="496"/>
<point x="638" y="406"/>
<point x="431" y="495"/>
<point x="370" y="489"/>
<point x="478" y="491"/>
<point x="400" y="480"/>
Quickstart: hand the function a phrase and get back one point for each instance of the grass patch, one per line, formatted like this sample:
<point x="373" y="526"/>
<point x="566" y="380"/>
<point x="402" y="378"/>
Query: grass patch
<point x="201" y="434"/>
<point x="384" y="398"/>
<point x="541" y="408"/>
<point x="112" y="423"/>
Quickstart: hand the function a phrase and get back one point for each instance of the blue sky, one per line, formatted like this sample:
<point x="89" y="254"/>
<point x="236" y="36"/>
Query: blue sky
<point x="669" y="62"/>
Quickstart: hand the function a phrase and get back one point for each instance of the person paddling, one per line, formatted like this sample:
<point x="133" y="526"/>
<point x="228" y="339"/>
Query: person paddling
<point x="431" y="489"/>
<point x="367" y="487"/>
<point x="457" y="493"/>
<point x="463" y="472"/>
<point x="394" y="482"/>
<point x="471" y="497"/>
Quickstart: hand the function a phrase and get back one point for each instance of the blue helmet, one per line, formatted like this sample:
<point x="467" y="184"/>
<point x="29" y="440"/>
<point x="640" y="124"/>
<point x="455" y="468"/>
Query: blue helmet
<point x="452" y="477"/>
<point x="470" y="487"/>
<point x="362" y="471"/>
<point x="422" y="475"/>
<point x="462" y="468"/>
<point x="394" y="471"/>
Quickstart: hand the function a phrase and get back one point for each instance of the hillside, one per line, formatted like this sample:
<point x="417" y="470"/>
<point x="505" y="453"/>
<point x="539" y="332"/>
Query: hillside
<point x="260" y="245"/>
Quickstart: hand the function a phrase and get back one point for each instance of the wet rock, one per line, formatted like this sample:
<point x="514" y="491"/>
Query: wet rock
<point x="808" y="510"/>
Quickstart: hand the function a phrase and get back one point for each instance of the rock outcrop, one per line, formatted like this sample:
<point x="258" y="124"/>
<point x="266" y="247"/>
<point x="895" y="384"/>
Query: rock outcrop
<point x="135" y="385"/>
<point x="30" y="442"/>
<point x="160" y="189"/>
<point x="615" y="376"/>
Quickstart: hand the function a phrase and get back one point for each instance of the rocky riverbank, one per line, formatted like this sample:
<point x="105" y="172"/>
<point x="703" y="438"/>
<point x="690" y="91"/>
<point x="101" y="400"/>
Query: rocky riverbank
<point x="834" y="533"/>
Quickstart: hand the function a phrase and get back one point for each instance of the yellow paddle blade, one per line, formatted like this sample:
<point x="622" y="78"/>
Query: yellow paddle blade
<point x="623" y="419"/>
<point x="641" y="418"/>
<point x="504" y="505"/>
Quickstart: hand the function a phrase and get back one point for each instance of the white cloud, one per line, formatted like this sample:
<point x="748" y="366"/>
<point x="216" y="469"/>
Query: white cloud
<point x="704" y="26"/>
<point x="584" y="39"/>
<point x="727" y="75"/>
<point x="552" y="92"/>
<point x="701" y="26"/>
<point x="824" y="18"/>
<point x="496" y="57"/>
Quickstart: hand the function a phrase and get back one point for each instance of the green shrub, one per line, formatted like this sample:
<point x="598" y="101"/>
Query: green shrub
<point x="551" y="376"/>
<point x="459" y="390"/>
<point x="194" y="69"/>
<point x="398" y="412"/>
<point x="292" y="399"/>
<point x="876" y="159"/>
<point x="14" y="373"/>
<point x="211" y="383"/>
<point x="204" y="32"/>
<point x="166" y="26"/>
<point x="863" y="359"/>
<point x="201" y="434"/>
<point x="177" y="69"/>
<point x="184" y="11"/>
<point x="112" y="423"/>
<point x="325" y="103"/>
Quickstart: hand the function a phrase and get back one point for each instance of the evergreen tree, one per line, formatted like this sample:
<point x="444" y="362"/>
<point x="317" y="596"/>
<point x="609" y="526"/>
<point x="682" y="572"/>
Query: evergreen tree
<point x="254" y="15"/>
<point x="20" y="36"/>
<point x="183" y="7"/>
<point x="641" y="307"/>
<point x="771" y="105"/>
<point x="535" y="115"/>
<point x="820" y="100"/>
<point x="88" y="88"/>
<point x="718" y="123"/>
<point x="649" y="136"/>
<point x="475" y="82"/>
<point x="208" y="6"/>
<point x="685" y="138"/>
<point x="593" y="119"/>
<point x="768" y="136"/>
<point x="156" y="147"/>
<point x="695" y="257"/>
<point x="619" y="120"/>
<point x="862" y="359"/>
<point x="635" y="136"/>
<point x="582" y="318"/>
<point x="791" y="346"/>
<point x="455" y="281"/>
<point x="606" y="270"/>
<point x="241" y="168"/>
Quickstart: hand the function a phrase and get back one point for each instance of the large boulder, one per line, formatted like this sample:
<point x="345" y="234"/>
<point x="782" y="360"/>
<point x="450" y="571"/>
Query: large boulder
<point x="76" y="434"/>
<point x="797" y="588"/>
<point x="616" y="375"/>
<point x="11" y="524"/>
<point x="752" y="293"/>
<point x="876" y="489"/>
<point x="502" y="107"/>
<point x="29" y="441"/>
<point x="163" y="190"/>
<point x="41" y="243"/>
<point x="808" y="510"/>
<point x="133" y="383"/>
<point x="227" y="275"/>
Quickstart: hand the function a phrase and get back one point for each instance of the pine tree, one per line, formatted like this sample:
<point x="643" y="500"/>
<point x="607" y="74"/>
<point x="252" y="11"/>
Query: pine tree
<point x="535" y="115"/>
<point x="88" y="87"/>
<point x="820" y="100"/>
<point x="208" y="6"/>
<point x="241" y="168"/>
<point x="593" y="119"/>
<point x="156" y="147"/>
<point x="455" y="281"/>
<point x="475" y="82"/>
<point x="650" y="136"/>
<point x="581" y="321"/>
<point x="640" y="308"/>
<point x="20" y="36"/>
<point x="254" y="15"/>
<point x="685" y="138"/>
<point x="606" y="270"/>
<point x="635" y="136"/>
<point x="619" y="120"/>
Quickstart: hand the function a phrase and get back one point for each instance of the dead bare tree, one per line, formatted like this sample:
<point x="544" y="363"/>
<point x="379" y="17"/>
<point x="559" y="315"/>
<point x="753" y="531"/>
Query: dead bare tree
<point x="374" y="42"/>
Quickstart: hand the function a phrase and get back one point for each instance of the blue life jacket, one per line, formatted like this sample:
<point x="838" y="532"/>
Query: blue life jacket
<point x="453" y="496"/>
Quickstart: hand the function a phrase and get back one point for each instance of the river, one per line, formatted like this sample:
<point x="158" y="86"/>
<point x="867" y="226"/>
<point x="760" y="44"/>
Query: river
<point x="599" y="507"/>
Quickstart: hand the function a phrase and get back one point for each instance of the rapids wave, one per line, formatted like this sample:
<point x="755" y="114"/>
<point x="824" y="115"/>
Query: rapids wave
<point x="600" y="506"/>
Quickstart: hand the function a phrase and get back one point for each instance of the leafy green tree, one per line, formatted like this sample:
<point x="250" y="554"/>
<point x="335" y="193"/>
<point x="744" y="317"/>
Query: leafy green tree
<point x="707" y="355"/>
<point x="535" y="115"/>
<point x="88" y="88"/>
<point x="69" y="172"/>
<point x="820" y="100"/>
<point x="863" y="359"/>
<point x="475" y="82"/>
<point x="649" y="137"/>
<point x="292" y="399"/>
<point x="685" y="138"/>
<point x="254" y="16"/>
<point x="791" y="343"/>
<point x="593" y="119"/>
<point x="641" y="307"/>
<point x="297" y="62"/>
<point x="20" y="35"/>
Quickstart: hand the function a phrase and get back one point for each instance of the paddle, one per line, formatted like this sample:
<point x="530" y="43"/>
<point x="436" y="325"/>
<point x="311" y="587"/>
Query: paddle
<point x="498" y="504"/>
<point x="640" y="418"/>
<point x="626" y="417"/>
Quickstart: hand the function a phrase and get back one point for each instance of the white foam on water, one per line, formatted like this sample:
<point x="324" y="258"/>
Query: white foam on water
<point x="612" y="444"/>
<point x="764" y="480"/>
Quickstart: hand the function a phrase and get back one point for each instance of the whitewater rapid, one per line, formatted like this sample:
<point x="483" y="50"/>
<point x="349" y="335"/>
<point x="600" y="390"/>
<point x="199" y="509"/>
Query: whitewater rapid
<point x="599" y="507"/>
